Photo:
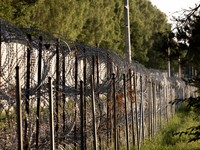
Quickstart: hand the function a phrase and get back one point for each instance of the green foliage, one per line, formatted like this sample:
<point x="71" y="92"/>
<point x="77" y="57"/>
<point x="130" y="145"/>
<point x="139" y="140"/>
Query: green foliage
<point x="159" y="52"/>
<point x="193" y="131"/>
<point x="194" y="104"/>
<point x="188" y="34"/>
<point x="147" y="21"/>
<point x="92" y="21"/>
<point x="18" y="12"/>
<point x="168" y="140"/>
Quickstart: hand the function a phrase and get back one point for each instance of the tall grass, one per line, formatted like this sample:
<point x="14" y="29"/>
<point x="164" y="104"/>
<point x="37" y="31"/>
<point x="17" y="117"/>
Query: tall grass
<point x="166" y="140"/>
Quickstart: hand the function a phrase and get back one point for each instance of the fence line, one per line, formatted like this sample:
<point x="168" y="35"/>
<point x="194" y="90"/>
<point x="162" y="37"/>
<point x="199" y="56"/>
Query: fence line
<point x="141" y="128"/>
<point x="114" y="104"/>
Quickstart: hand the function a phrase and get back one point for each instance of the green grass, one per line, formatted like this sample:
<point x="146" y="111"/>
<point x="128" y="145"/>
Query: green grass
<point x="3" y="116"/>
<point x="166" y="140"/>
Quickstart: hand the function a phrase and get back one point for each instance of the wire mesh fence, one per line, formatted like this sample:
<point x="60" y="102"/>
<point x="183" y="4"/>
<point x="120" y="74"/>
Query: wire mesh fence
<point x="41" y="55"/>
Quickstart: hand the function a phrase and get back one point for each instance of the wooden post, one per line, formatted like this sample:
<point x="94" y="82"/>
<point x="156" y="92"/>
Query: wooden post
<point x="118" y="137"/>
<point x="149" y="108"/>
<point x="141" y="113"/>
<point x="111" y="102"/>
<point x="29" y="47"/>
<point x="132" y="111"/>
<point x="93" y="67"/>
<point x="155" y="110"/>
<point x="140" y="132"/>
<point x="57" y="84"/>
<point x="93" y="114"/>
<point x="108" y="102"/>
<point x="171" y="101"/>
<point x="173" y="97"/>
<point x="51" y="120"/>
<point x="153" y="114"/>
<point x="76" y="87"/>
<point x="38" y="98"/>
<point x="160" y="108"/>
<point x="126" y="113"/>
<point x="100" y="107"/>
<point x="63" y="95"/>
<point x="115" y="111"/>
<point x="136" y="115"/>
<point x="82" y="114"/>
<point x="167" y="102"/>
<point x="152" y="102"/>
<point x="85" y="103"/>
<point x="19" y="109"/>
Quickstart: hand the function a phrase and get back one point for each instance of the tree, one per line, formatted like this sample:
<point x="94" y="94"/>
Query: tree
<point x="147" y="20"/>
<point x="19" y="12"/>
<point x="188" y="34"/>
<point x="92" y="21"/>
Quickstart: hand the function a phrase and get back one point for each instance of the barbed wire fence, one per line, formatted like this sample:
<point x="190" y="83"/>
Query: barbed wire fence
<point x="40" y="55"/>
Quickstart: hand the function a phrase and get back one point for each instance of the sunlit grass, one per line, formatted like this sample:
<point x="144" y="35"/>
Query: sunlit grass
<point x="166" y="140"/>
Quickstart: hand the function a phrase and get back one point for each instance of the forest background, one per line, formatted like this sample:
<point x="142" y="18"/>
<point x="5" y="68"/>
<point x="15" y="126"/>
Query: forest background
<point x="99" y="21"/>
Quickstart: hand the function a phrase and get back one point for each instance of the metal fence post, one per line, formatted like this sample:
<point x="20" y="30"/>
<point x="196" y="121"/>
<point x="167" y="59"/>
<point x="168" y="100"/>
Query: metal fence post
<point x="109" y="93"/>
<point x="154" y="109"/>
<point x="93" y="113"/>
<point x="51" y="120"/>
<point x="100" y="105"/>
<point x="85" y="103"/>
<point x="136" y="114"/>
<point x="115" y="111"/>
<point x="126" y="114"/>
<point x="164" y="98"/>
<point x="57" y="83"/>
<point x="167" y="102"/>
<point x="76" y="87"/>
<point x="150" y="108"/>
<point x="171" y="101"/>
<point x="28" y="86"/>
<point x="132" y="111"/>
<point x="19" y="110"/>
<point x="63" y="95"/>
<point x="82" y="114"/>
<point x="141" y="132"/>
<point x="38" y="99"/>
<point x="160" y="108"/>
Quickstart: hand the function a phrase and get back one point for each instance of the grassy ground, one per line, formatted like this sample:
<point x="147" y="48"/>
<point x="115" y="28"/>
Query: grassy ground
<point x="165" y="140"/>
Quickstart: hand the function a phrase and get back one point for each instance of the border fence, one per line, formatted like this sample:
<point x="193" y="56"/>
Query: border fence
<point x="60" y="94"/>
